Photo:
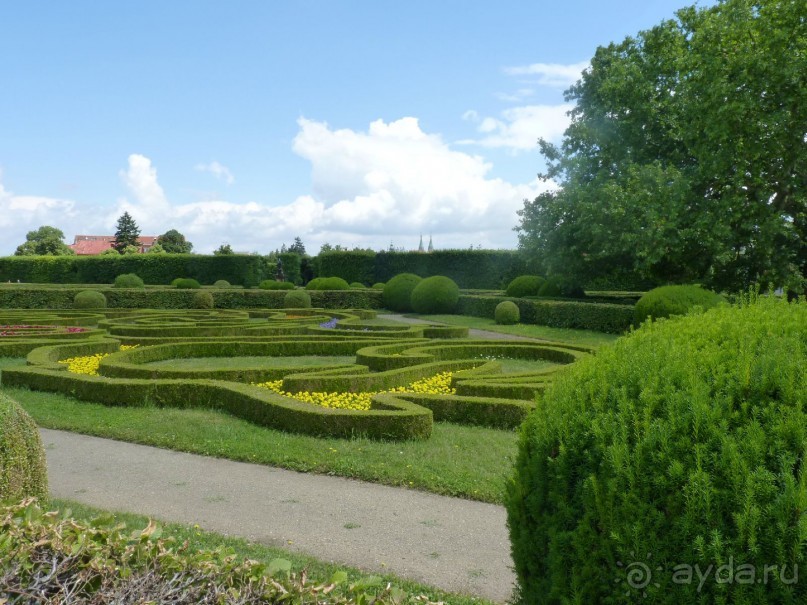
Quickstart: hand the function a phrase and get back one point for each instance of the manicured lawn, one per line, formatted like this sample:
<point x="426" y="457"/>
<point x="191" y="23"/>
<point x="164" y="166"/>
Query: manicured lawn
<point x="226" y="363"/>
<point x="318" y="571"/>
<point x="580" y="337"/>
<point x="468" y="462"/>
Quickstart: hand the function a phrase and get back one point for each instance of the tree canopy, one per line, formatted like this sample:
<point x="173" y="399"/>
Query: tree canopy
<point x="45" y="241"/>
<point x="126" y="234"/>
<point x="173" y="242"/>
<point x="223" y="249"/>
<point x="685" y="158"/>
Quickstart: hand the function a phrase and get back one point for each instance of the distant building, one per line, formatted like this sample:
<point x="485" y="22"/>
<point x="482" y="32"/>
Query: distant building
<point x="95" y="244"/>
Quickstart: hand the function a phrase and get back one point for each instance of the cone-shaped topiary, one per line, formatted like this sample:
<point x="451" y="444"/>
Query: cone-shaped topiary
<point x="674" y="300"/>
<point x="398" y="292"/>
<point x="436" y="294"/>
<point x="128" y="280"/>
<point x="525" y="285"/>
<point x="89" y="299"/>
<point x="22" y="458"/>
<point x="507" y="313"/>
<point x="297" y="299"/>
<point x="681" y="445"/>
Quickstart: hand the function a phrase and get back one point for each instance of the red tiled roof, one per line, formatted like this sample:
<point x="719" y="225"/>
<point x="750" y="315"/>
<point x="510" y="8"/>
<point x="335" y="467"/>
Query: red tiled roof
<point x="95" y="244"/>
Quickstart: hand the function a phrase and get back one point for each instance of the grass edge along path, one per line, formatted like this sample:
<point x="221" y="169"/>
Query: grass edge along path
<point x="317" y="571"/>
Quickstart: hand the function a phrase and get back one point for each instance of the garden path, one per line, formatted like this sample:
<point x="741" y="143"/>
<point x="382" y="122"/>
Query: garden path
<point x="454" y="544"/>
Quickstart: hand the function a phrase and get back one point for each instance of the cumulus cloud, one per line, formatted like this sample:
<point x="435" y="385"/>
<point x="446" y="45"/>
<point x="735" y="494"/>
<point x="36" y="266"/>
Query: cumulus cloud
<point x="519" y="128"/>
<point x="218" y="170"/>
<point x="554" y="75"/>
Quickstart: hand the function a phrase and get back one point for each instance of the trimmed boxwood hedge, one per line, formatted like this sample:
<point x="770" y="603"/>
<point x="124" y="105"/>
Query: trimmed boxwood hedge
<point x="437" y="294"/>
<point x="397" y="293"/>
<point x="23" y="472"/>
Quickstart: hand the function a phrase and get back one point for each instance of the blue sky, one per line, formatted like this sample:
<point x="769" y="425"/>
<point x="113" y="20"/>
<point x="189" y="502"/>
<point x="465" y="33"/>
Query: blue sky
<point x="252" y="122"/>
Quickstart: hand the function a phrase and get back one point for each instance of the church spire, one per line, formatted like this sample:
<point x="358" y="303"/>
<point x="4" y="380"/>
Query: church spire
<point x="420" y="245"/>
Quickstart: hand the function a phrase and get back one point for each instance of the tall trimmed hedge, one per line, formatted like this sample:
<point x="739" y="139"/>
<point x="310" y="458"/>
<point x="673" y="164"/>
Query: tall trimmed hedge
<point x="22" y="458"/>
<point x="485" y="269"/>
<point x="241" y="269"/>
<point x="682" y="445"/>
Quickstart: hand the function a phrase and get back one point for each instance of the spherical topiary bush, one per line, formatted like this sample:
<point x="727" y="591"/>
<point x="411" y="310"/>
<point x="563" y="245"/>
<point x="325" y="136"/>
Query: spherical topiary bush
<point x="551" y="287"/>
<point x="315" y="284"/>
<point x="507" y="313"/>
<point x="22" y="458"/>
<point x="436" y="294"/>
<point x="682" y="444"/>
<point x="176" y="281"/>
<point x="128" y="280"/>
<point x="397" y="292"/>
<point x="89" y="299"/>
<point x="272" y="284"/>
<point x="379" y="286"/>
<point x="334" y="283"/>
<point x="202" y="300"/>
<point x="297" y="299"/>
<point x="357" y="286"/>
<point x="674" y="300"/>
<point x="221" y="283"/>
<point x="186" y="283"/>
<point x="525" y="285"/>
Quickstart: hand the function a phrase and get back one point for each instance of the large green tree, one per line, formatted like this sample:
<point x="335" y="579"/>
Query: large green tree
<point x="685" y="158"/>
<point x="45" y="241"/>
<point x="173" y="242"/>
<point x="126" y="234"/>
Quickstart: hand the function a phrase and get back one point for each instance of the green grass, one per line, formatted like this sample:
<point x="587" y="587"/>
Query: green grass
<point x="318" y="571"/>
<point x="579" y="337"/>
<point x="524" y="365"/>
<point x="226" y="363"/>
<point x="468" y="462"/>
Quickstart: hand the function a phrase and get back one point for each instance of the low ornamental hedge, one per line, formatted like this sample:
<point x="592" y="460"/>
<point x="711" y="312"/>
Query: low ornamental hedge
<point x="23" y="472"/>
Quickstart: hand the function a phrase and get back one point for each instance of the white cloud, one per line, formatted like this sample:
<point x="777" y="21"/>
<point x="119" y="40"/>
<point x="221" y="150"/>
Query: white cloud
<point x="554" y="75"/>
<point x="519" y="128"/>
<point x="218" y="170"/>
<point x="386" y="185"/>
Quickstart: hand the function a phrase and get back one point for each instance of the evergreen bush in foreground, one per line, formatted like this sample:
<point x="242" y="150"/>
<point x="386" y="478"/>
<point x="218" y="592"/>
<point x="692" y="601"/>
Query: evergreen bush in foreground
<point x="680" y="449"/>
<point x="22" y="458"/>
<point x="436" y="294"/>
<point x="89" y="299"/>
<point x="674" y="300"/>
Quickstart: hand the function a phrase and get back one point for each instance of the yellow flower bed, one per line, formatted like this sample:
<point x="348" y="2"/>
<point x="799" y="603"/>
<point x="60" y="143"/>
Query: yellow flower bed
<point x="88" y="364"/>
<point x="439" y="384"/>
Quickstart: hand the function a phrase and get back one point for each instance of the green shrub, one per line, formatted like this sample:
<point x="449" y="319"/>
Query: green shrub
<point x="22" y="458"/>
<point x="398" y="292"/>
<point x="551" y="287"/>
<point x="315" y="284"/>
<point x="221" y="283"/>
<point x="202" y="300"/>
<point x="327" y="283"/>
<point x="674" y="300"/>
<point x="681" y="445"/>
<point x="525" y="285"/>
<point x="176" y="281"/>
<point x="297" y="299"/>
<point x="507" y="313"/>
<point x="273" y="284"/>
<point x="185" y="283"/>
<point x="128" y="280"/>
<point x="436" y="294"/>
<point x="89" y="299"/>
<point x="357" y="286"/>
<point x="378" y="286"/>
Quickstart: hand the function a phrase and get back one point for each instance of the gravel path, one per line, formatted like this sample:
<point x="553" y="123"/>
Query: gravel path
<point x="454" y="544"/>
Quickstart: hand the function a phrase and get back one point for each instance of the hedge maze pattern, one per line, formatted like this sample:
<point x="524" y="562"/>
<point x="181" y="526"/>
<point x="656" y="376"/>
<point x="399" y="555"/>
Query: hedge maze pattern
<point x="144" y="361"/>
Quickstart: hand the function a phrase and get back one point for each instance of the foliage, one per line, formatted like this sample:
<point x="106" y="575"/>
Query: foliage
<point x="550" y="287"/>
<point x="45" y="241"/>
<point x="128" y="280"/>
<point x="327" y="283"/>
<point x="202" y="300"/>
<point x="223" y="249"/>
<point x="506" y="313"/>
<point x="297" y="299"/>
<point x="22" y="458"/>
<point x="89" y="299"/>
<point x="98" y="561"/>
<point x="271" y="284"/>
<point x="680" y="445"/>
<point x="155" y="249"/>
<point x="436" y="294"/>
<point x="684" y="161"/>
<point x="378" y="285"/>
<point x="110" y="252"/>
<point x="297" y="247"/>
<point x="186" y="283"/>
<point x="126" y="233"/>
<point x="397" y="293"/>
<point x="173" y="242"/>
<point x="222" y="283"/>
<point x="674" y="300"/>
<point x="357" y="286"/>
<point x="524" y="285"/>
